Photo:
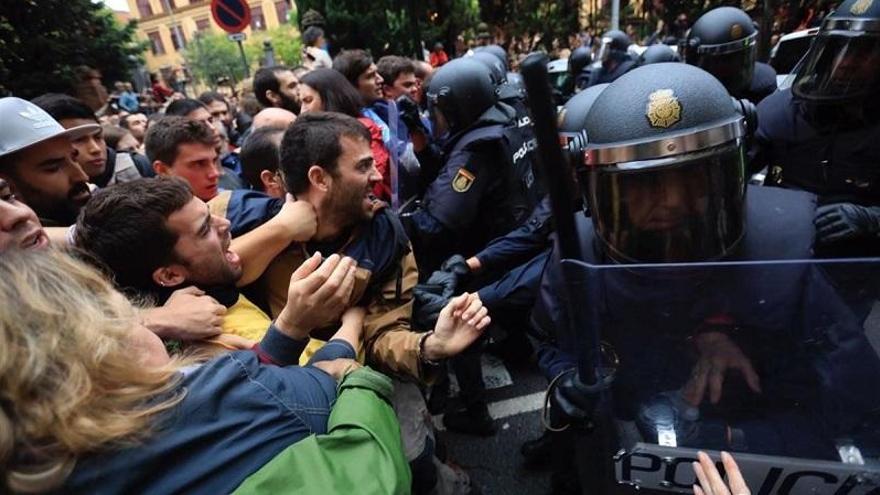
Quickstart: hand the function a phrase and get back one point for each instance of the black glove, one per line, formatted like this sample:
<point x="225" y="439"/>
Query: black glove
<point x="409" y="114"/>
<point x="431" y="297"/>
<point x="569" y="400"/>
<point x="841" y="221"/>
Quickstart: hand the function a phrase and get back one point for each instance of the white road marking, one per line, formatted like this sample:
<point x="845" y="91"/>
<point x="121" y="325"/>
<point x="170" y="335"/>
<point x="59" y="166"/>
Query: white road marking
<point x="506" y="408"/>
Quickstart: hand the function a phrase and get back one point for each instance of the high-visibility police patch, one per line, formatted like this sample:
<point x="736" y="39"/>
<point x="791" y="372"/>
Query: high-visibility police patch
<point x="860" y="7"/>
<point x="462" y="181"/>
<point x="663" y="109"/>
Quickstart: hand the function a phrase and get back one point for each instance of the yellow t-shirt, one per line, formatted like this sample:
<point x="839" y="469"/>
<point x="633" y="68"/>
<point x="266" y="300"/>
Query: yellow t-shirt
<point x="246" y="320"/>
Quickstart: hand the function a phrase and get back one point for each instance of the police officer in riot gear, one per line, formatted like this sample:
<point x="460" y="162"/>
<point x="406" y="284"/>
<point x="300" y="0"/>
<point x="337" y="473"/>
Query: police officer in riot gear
<point x="614" y="58"/>
<point x="509" y="92"/>
<point x="485" y="189"/>
<point x="657" y="54"/>
<point x="664" y="173"/>
<point x="723" y="42"/>
<point x="823" y="134"/>
<point x="579" y="66"/>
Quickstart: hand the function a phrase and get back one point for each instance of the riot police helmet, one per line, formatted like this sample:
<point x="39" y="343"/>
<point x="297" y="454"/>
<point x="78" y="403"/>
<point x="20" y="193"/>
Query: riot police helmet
<point x="615" y="44"/>
<point x="580" y="57"/>
<point x="499" y="52"/>
<point x="573" y="117"/>
<point x="657" y="54"/>
<point x="496" y="68"/>
<point x="843" y="63"/>
<point x="459" y="93"/>
<point x="723" y="42"/>
<point x="664" y="165"/>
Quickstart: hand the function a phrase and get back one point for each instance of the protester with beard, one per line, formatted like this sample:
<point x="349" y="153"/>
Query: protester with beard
<point x="104" y="165"/>
<point x="37" y="161"/>
<point x="326" y="161"/>
<point x="277" y="87"/>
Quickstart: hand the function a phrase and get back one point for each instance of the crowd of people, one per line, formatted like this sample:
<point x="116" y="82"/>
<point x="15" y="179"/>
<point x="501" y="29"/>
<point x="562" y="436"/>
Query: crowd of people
<point x="201" y="298"/>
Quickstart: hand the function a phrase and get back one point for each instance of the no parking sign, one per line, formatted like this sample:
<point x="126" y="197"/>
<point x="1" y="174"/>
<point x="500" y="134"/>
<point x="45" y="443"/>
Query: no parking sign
<point x="231" y="15"/>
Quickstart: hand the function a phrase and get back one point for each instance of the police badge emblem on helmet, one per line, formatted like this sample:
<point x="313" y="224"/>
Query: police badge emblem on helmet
<point x="462" y="181"/>
<point x="736" y="31"/>
<point x="860" y="7"/>
<point x="664" y="109"/>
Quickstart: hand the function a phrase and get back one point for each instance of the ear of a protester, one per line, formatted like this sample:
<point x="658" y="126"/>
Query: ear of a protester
<point x="319" y="178"/>
<point x="272" y="97"/>
<point x="169" y="276"/>
<point x="161" y="168"/>
<point x="269" y="182"/>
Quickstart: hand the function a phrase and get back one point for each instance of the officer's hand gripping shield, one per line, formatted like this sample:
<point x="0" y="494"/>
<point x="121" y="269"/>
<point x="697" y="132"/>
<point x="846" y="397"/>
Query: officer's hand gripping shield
<point x="777" y="362"/>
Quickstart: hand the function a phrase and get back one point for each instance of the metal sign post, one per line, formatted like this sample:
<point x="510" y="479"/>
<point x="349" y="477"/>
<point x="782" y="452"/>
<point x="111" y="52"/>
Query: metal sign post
<point x="233" y="16"/>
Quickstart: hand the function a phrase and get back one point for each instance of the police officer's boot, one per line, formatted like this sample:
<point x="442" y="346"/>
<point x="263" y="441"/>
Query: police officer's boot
<point x="473" y="419"/>
<point x="538" y="452"/>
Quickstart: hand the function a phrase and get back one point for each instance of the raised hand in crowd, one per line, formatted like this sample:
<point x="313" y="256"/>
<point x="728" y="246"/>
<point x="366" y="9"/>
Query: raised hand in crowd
<point x="318" y="294"/>
<point x="460" y="323"/>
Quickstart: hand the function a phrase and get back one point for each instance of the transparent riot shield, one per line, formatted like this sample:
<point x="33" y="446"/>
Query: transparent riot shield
<point x="776" y="362"/>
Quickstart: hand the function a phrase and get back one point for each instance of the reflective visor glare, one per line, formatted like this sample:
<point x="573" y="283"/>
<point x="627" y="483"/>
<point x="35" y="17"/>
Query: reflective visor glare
<point x="690" y="211"/>
<point x="605" y="49"/>
<point x="839" y="66"/>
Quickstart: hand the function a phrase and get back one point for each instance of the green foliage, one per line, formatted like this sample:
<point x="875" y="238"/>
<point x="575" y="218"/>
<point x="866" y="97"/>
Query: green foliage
<point x="285" y="42"/>
<point x="43" y="41"/>
<point x="552" y="19"/>
<point x="210" y="57"/>
<point x="386" y="26"/>
<point x="213" y="56"/>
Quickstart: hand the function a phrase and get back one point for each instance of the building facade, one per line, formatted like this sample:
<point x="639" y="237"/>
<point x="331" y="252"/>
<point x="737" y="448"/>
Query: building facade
<point x="170" y="25"/>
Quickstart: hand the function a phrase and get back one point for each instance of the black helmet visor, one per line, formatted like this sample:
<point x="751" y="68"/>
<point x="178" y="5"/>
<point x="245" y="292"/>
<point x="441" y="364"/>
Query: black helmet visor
<point x="733" y="68"/>
<point x="840" y="65"/>
<point x="684" y="208"/>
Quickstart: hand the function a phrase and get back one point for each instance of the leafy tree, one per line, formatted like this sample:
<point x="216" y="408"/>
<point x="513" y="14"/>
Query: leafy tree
<point x="43" y="41"/>
<point x="286" y="44"/>
<point x="392" y="26"/>
<point x="551" y="19"/>
<point x="210" y="57"/>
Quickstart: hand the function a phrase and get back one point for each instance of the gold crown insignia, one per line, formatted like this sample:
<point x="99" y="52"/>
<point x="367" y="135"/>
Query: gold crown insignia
<point x="860" y="7"/>
<point x="663" y="109"/>
<point x="736" y="31"/>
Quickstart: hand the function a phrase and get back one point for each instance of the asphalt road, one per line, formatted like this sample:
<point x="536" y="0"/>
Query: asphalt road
<point x="495" y="463"/>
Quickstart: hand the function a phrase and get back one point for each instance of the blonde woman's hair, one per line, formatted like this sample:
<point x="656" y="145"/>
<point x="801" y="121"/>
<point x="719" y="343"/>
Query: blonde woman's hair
<point x="70" y="379"/>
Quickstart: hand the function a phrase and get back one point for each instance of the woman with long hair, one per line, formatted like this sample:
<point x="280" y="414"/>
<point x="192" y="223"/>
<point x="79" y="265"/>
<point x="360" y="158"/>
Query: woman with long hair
<point x="91" y="402"/>
<point x="326" y="90"/>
